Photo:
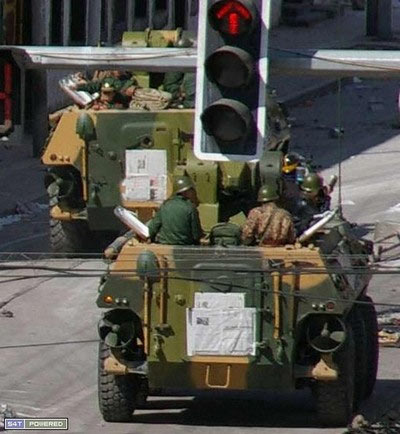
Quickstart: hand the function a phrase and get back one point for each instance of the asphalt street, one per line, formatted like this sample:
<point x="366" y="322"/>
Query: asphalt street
<point x="60" y="380"/>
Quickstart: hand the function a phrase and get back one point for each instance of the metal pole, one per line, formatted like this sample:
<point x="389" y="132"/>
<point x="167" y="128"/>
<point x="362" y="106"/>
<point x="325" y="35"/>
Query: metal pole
<point x="66" y="22"/>
<point x="93" y="22"/>
<point x="385" y="19"/>
<point x="372" y="18"/>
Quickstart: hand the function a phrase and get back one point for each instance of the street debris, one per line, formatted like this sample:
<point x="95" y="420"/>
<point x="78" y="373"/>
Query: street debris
<point x="4" y="313"/>
<point x="22" y="211"/>
<point x="389" y="328"/>
<point x="389" y="425"/>
<point x="389" y="338"/>
<point x="29" y="208"/>
<point x="6" y="412"/>
<point x="335" y="133"/>
<point x="389" y="317"/>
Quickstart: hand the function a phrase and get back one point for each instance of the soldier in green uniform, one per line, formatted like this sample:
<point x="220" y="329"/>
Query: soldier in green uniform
<point x="268" y="224"/>
<point x="314" y="199"/>
<point x="109" y="99"/>
<point x="182" y="86"/>
<point x="177" y="221"/>
<point x="121" y="81"/>
<point x="314" y="194"/>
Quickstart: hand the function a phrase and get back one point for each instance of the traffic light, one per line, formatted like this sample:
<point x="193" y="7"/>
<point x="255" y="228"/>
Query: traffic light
<point x="231" y="118"/>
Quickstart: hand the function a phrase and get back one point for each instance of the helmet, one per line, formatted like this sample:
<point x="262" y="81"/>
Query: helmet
<point x="269" y="191"/>
<point x="107" y="87"/>
<point x="182" y="183"/>
<point x="312" y="183"/>
<point x="184" y="43"/>
<point x="290" y="162"/>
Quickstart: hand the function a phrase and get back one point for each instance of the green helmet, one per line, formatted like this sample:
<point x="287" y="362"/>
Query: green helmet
<point x="312" y="183"/>
<point x="182" y="183"/>
<point x="269" y="191"/>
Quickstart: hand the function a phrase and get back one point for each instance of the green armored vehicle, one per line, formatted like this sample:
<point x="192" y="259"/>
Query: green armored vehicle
<point x="223" y="317"/>
<point x="90" y="157"/>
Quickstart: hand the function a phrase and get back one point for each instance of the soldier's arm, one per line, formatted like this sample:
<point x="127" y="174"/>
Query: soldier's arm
<point x="115" y="247"/>
<point x="197" y="231"/>
<point x="290" y="231"/>
<point x="154" y="225"/>
<point x="248" y="230"/>
<point x="91" y="87"/>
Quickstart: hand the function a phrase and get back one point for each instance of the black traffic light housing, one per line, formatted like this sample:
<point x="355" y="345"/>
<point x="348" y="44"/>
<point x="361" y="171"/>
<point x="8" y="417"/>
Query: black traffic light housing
<point x="231" y="80"/>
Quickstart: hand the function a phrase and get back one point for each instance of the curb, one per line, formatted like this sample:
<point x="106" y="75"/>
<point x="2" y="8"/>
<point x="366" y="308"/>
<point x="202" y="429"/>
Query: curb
<point x="314" y="91"/>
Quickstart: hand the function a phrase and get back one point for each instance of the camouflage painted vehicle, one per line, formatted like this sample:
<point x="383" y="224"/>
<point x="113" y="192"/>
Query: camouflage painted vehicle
<point x="224" y="317"/>
<point x="86" y="160"/>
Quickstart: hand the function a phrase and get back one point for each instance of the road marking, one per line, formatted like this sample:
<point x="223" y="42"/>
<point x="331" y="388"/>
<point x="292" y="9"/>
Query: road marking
<point x="395" y="208"/>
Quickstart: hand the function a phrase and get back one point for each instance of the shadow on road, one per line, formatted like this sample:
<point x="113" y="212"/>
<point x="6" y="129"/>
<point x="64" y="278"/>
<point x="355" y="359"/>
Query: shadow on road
<point x="294" y="410"/>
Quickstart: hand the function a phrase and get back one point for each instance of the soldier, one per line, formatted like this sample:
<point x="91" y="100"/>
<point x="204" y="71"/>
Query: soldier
<point x="182" y="86"/>
<point x="177" y="221"/>
<point x="268" y="224"/>
<point x="315" y="199"/>
<point x="121" y="81"/>
<point x="109" y="99"/>
<point x="315" y="194"/>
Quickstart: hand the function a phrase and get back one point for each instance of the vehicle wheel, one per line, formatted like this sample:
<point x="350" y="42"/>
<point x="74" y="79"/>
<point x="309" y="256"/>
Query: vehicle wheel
<point x="143" y="393"/>
<point x="117" y="393"/>
<point x="334" y="399"/>
<point x="372" y="345"/>
<point x="69" y="236"/>
<point x="360" y="358"/>
<point x="358" y="5"/>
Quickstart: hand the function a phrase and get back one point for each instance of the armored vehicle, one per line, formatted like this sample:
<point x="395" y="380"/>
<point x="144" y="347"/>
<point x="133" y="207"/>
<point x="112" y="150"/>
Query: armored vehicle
<point x="90" y="157"/>
<point x="180" y="318"/>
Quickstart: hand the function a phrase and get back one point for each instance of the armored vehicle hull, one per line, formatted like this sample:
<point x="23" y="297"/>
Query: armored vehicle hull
<point x="90" y="153"/>
<point x="239" y="318"/>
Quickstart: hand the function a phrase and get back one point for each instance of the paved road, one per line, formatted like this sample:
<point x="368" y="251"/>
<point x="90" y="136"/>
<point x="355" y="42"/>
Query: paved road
<point x="60" y="380"/>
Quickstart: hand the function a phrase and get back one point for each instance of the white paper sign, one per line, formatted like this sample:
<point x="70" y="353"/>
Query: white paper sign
<point x="221" y="332"/>
<point x="216" y="300"/>
<point x="145" y="175"/>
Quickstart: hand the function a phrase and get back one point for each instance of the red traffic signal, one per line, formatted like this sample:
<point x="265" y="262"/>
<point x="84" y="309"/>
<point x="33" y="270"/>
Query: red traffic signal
<point x="232" y="17"/>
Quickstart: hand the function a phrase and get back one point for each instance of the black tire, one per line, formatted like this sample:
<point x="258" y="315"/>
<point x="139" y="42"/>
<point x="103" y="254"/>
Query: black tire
<point x="117" y="393"/>
<point x="334" y="399"/>
<point x="372" y="345"/>
<point x="360" y="357"/>
<point x="70" y="236"/>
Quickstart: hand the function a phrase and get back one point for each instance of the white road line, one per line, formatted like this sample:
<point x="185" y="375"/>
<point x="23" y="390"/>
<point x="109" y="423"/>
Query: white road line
<point x="395" y="208"/>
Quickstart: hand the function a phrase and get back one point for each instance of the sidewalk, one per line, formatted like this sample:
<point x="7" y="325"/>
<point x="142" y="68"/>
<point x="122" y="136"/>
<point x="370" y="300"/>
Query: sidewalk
<point x="340" y="32"/>
<point x="21" y="176"/>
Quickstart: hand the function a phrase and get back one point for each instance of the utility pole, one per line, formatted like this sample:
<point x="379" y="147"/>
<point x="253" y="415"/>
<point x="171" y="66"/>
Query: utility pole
<point x="379" y="19"/>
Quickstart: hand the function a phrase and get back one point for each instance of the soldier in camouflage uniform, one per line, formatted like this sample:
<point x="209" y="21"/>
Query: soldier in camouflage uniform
<point x="268" y="224"/>
<point x="177" y="221"/>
